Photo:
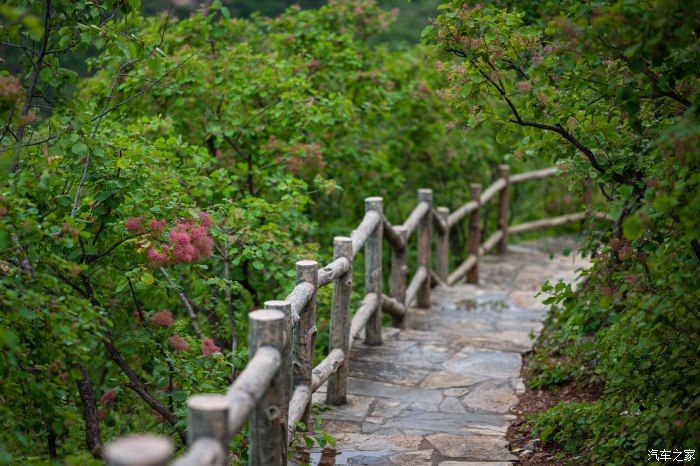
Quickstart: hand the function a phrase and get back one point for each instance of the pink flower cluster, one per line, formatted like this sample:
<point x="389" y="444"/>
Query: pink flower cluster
<point x="188" y="241"/>
<point x="178" y="343"/>
<point x="163" y="318"/>
<point x="209" y="347"/>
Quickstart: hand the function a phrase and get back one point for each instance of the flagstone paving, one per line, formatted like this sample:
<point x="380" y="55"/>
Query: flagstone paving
<point x="439" y="393"/>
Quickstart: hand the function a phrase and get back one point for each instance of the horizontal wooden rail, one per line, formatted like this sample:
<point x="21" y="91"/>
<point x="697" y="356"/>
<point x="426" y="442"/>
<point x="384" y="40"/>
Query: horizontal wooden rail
<point x="203" y="452"/>
<point x="364" y="312"/>
<point x="440" y="225"/>
<point x="462" y="212"/>
<point x="299" y="297"/>
<point x="364" y="230"/>
<point x="492" y="190"/>
<point x="419" y="278"/>
<point x="492" y="241"/>
<point x="300" y="400"/>
<point x="333" y="270"/>
<point x="462" y="270"/>
<point x="533" y="175"/>
<point x="547" y="223"/>
<point x="245" y="391"/>
<point x="393" y="307"/>
<point x="325" y="368"/>
<point x="393" y="236"/>
<point x="415" y="217"/>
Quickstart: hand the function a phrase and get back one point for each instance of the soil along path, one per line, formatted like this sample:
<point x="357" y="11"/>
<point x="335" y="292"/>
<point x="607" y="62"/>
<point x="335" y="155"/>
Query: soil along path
<point x="439" y="392"/>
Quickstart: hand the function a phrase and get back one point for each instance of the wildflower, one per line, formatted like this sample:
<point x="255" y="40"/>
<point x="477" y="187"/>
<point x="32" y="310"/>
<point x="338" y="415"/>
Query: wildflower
<point x="184" y="253"/>
<point x="108" y="397"/>
<point x="133" y="224"/>
<point x="178" y="343"/>
<point x="158" y="257"/>
<point x="205" y="219"/>
<point x="209" y="347"/>
<point x="179" y="235"/>
<point x="163" y="318"/>
<point x="157" y="225"/>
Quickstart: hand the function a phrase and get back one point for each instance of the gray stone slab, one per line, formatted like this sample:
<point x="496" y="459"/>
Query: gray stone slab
<point x="494" y="364"/>
<point x="476" y="447"/>
<point x="393" y="392"/>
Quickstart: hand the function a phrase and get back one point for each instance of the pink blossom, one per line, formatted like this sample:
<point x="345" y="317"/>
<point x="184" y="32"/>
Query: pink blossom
<point x="108" y="396"/>
<point x="179" y="235"/>
<point x="157" y="225"/>
<point x="185" y="253"/>
<point x="178" y="343"/>
<point x="133" y="224"/>
<point x="158" y="257"/>
<point x="205" y="219"/>
<point x="209" y="347"/>
<point x="163" y="318"/>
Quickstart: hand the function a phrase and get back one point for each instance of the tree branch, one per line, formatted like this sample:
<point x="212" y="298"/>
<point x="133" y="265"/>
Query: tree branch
<point x="32" y="86"/>
<point x="93" y="439"/>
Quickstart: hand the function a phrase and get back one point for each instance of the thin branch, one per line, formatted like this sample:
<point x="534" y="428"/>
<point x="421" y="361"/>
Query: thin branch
<point x="185" y="301"/>
<point x="32" y="86"/>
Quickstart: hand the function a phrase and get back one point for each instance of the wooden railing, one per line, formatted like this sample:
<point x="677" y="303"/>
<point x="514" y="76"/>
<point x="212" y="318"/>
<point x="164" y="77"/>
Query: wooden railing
<point x="274" y="391"/>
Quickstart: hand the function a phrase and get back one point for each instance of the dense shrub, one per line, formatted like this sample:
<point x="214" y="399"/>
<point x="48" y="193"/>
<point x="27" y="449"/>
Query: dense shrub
<point x="610" y="89"/>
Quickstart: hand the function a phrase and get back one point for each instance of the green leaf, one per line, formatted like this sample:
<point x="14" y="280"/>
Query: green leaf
<point x="80" y="148"/>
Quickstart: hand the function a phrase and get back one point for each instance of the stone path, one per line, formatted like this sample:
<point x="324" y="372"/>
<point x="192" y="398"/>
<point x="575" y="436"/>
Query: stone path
<point x="439" y="393"/>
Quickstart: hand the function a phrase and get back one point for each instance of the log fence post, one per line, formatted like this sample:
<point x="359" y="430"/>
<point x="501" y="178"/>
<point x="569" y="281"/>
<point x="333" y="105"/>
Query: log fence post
<point x="474" y="240"/>
<point x="442" y="248"/>
<point x="286" y="376"/>
<point x="207" y="417"/>
<point x="399" y="273"/>
<point x="305" y="334"/>
<point x="139" y="450"/>
<point x="268" y="445"/>
<point x="503" y="209"/>
<point x="425" y="231"/>
<point x="373" y="273"/>
<point x="340" y="322"/>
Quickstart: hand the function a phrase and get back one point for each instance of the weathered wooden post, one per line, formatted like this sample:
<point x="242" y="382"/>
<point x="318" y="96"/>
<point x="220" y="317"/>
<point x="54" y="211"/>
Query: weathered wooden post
<point x="425" y="231"/>
<point x="340" y="322"/>
<point x="207" y="417"/>
<point x="268" y="446"/>
<point x="443" y="245"/>
<point x="474" y="240"/>
<point x="503" y="212"/>
<point x="399" y="273"/>
<point x="286" y="308"/>
<point x="373" y="273"/>
<point x="305" y="334"/>
<point x="139" y="450"/>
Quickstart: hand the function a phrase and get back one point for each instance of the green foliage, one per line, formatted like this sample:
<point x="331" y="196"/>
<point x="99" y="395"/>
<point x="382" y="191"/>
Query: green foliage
<point x="610" y="90"/>
<point x="145" y="214"/>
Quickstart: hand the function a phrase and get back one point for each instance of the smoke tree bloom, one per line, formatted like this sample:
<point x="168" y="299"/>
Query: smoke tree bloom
<point x="178" y="343"/>
<point x="156" y="256"/>
<point x="163" y="318"/>
<point x="157" y="225"/>
<point x="209" y="347"/>
<point x="133" y="224"/>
